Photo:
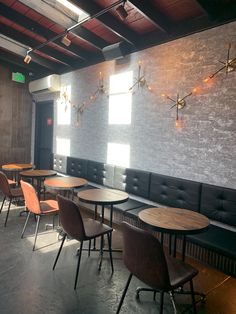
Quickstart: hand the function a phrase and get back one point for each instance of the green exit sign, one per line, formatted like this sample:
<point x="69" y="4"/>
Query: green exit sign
<point x="18" y="77"/>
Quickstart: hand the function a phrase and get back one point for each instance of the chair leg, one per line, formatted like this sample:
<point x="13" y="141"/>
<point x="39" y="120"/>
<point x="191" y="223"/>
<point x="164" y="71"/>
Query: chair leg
<point x="5" y="224"/>
<point x="124" y="293"/>
<point x="161" y="301"/>
<point x="36" y="230"/>
<point x="3" y="201"/>
<point x="26" y="222"/>
<point x="171" y="293"/>
<point x="89" y="249"/>
<point x="78" y="264"/>
<point x="110" y="250"/>
<point x="193" y="297"/>
<point x="59" y="251"/>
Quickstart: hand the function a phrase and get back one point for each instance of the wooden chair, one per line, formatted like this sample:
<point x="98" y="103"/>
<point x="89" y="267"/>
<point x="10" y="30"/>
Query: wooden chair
<point x="9" y="193"/>
<point x="144" y="257"/>
<point x="38" y="208"/>
<point x="81" y="230"/>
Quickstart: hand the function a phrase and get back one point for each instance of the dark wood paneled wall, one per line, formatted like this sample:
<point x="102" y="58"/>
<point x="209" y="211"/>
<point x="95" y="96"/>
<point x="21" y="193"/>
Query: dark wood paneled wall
<point x="15" y="119"/>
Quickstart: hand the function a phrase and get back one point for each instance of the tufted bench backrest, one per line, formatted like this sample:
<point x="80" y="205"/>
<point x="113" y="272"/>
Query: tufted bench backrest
<point x="218" y="203"/>
<point x="100" y="173"/>
<point x="60" y="163"/>
<point x="175" y="192"/>
<point x="77" y="167"/>
<point x="137" y="182"/>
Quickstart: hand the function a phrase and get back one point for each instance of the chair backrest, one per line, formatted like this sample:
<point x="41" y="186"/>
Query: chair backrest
<point x="144" y="257"/>
<point x="4" y="185"/>
<point x="31" y="199"/>
<point x="71" y="219"/>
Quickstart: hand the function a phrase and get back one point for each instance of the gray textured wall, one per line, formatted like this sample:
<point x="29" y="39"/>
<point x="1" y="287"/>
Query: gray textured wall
<point x="204" y="148"/>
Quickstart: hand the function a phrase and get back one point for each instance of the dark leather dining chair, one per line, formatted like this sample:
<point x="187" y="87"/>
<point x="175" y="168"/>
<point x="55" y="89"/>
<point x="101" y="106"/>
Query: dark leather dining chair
<point x="80" y="229"/>
<point x="9" y="192"/>
<point x="36" y="207"/>
<point x="144" y="257"/>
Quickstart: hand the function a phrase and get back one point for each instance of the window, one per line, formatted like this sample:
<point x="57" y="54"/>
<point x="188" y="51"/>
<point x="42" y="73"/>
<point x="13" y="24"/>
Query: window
<point x="63" y="146"/>
<point x="64" y="106"/>
<point x="120" y="99"/>
<point x="118" y="154"/>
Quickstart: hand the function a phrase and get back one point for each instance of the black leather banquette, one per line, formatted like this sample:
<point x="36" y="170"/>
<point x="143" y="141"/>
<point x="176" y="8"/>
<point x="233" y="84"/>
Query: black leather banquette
<point x="216" y="246"/>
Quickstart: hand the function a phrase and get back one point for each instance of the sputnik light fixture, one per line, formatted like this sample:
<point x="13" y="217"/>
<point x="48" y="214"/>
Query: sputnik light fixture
<point x="100" y="90"/>
<point x="140" y="81"/>
<point x="229" y="65"/>
<point x="179" y="103"/>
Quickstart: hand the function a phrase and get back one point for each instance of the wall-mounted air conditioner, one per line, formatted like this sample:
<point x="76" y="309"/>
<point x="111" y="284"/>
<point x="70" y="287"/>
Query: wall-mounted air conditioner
<point x="49" y="83"/>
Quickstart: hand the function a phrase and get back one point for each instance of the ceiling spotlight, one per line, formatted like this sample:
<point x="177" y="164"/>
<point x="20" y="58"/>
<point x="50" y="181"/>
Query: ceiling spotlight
<point x="27" y="58"/>
<point x="121" y="11"/>
<point x="66" y="41"/>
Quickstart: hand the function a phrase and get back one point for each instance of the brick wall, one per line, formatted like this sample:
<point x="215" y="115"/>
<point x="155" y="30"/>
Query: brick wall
<point x="204" y="148"/>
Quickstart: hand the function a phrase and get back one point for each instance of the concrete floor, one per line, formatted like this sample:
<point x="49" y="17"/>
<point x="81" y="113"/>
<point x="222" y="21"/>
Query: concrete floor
<point x="29" y="286"/>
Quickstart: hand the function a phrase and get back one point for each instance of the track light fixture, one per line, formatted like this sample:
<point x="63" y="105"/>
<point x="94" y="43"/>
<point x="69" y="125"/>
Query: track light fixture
<point x="66" y="41"/>
<point x="121" y="11"/>
<point x="27" y="58"/>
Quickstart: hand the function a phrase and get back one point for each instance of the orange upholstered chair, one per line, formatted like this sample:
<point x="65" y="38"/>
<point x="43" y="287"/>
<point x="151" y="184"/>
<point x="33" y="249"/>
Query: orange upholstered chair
<point x="38" y="208"/>
<point x="9" y="192"/>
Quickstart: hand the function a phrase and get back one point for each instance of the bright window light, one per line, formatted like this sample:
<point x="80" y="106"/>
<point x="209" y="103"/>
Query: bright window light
<point x="120" y="83"/>
<point x="120" y="99"/>
<point x="72" y="7"/>
<point x="120" y="109"/>
<point x="63" y="146"/>
<point x="118" y="154"/>
<point x="64" y="106"/>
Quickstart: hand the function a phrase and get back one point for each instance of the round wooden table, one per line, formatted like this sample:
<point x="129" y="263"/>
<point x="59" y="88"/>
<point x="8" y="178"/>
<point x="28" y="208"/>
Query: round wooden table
<point x="15" y="168"/>
<point x="65" y="183"/>
<point x="177" y="221"/>
<point x="103" y="197"/>
<point x="39" y="175"/>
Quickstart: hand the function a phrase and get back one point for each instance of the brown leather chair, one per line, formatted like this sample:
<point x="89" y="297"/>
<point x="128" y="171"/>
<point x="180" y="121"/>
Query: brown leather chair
<point x="38" y="208"/>
<point x="144" y="257"/>
<point x="81" y="229"/>
<point x="9" y="191"/>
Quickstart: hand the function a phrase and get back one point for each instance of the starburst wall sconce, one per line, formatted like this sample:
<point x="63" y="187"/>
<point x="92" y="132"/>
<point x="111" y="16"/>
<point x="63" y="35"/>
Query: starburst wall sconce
<point x="140" y="81"/>
<point x="179" y="103"/>
<point x="229" y="65"/>
<point x="92" y="98"/>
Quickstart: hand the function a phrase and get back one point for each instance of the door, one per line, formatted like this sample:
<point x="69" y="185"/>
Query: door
<point x="44" y="135"/>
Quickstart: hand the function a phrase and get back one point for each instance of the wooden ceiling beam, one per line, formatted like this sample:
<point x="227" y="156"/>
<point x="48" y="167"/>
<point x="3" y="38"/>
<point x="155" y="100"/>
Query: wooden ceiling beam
<point x="218" y="10"/>
<point x="109" y="21"/>
<point x="8" y="44"/>
<point x="16" y="63"/>
<point x="30" y="42"/>
<point x="57" y="17"/>
<point x="150" y="12"/>
<point x="38" y="29"/>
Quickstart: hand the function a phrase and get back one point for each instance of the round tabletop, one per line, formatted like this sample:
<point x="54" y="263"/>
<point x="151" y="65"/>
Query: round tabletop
<point x="16" y="167"/>
<point x="174" y="220"/>
<point x="103" y="196"/>
<point x="38" y="173"/>
<point x="64" y="183"/>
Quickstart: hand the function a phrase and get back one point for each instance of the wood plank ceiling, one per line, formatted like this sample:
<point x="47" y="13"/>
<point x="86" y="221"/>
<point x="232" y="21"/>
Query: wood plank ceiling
<point x="34" y="24"/>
